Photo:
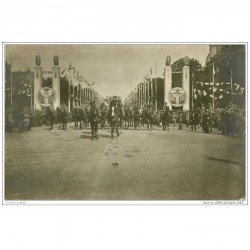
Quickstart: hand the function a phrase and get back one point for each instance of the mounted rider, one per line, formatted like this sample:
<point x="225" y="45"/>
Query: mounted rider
<point x="103" y="118"/>
<point x="94" y="118"/>
<point x="50" y="116"/>
<point x="64" y="116"/>
<point x="114" y="115"/>
<point x="166" y="118"/>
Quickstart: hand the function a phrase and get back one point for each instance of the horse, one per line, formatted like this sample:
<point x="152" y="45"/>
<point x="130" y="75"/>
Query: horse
<point x="150" y="118"/>
<point x="50" y="117"/>
<point x="126" y="118"/>
<point x="79" y="116"/>
<point x="103" y="117"/>
<point x="87" y="113"/>
<point x="166" y="119"/>
<point x="63" y="116"/>
<point x="114" y="117"/>
<point x="94" y="116"/>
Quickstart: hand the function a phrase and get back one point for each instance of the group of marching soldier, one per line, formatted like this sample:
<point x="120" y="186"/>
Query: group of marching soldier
<point x="229" y="120"/>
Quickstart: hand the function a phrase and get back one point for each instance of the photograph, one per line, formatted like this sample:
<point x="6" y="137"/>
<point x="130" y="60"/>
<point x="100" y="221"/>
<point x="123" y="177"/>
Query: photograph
<point x="154" y="123"/>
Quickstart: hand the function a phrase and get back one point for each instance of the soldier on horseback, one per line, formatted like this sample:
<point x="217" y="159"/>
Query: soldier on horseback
<point x="126" y="117"/>
<point x="50" y="117"/>
<point x="150" y="117"/>
<point x="114" y="116"/>
<point x="103" y="110"/>
<point x="94" y="116"/>
<point x="166" y="118"/>
<point x="64" y="116"/>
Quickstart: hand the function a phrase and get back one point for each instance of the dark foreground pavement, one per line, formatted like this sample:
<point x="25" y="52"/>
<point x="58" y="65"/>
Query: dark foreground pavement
<point x="138" y="165"/>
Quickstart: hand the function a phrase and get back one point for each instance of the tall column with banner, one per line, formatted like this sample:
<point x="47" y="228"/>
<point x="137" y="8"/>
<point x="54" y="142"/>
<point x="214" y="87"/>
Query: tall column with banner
<point x="167" y="81"/>
<point x="186" y="83"/>
<point x="56" y="81"/>
<point x="37" y="82"/>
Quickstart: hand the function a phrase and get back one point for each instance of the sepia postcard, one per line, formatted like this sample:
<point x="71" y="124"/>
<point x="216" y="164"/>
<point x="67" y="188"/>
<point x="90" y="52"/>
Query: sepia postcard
<point x="124" y="123"/>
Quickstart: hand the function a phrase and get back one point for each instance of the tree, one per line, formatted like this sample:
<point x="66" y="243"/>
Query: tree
<point x="193" y="64"/>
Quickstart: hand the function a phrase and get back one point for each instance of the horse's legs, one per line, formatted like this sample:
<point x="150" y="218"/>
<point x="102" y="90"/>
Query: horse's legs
<point x="92" y="130"/>
<point x="112" y="130"/>
<point x="96" y="130"/>
<point x="117" y="130"/>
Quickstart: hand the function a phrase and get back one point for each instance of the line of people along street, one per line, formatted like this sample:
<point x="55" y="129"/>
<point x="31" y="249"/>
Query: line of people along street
<point x="229" y="120"/>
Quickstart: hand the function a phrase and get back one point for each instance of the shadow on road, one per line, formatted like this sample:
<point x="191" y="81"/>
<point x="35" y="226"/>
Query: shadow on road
<point x="223" y="160"/>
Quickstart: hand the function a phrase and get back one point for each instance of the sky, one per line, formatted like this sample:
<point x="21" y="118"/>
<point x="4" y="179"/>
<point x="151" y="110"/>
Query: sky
<point x="115" y="68"/>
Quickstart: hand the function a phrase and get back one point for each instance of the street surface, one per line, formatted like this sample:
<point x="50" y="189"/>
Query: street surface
<point x="138" y="165"/>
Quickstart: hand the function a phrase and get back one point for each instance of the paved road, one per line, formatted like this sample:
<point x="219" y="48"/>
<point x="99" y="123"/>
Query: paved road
<point x="138" y="165"/>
